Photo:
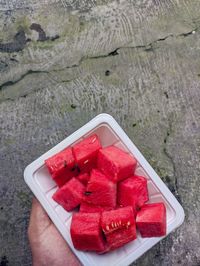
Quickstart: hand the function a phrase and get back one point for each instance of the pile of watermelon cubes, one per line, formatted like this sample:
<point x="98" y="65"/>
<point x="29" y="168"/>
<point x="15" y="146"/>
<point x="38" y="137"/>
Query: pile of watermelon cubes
<point x="100" y="184"/>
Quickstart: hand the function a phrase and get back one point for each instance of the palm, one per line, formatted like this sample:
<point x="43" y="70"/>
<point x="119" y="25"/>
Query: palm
<point x="47" y="245"/>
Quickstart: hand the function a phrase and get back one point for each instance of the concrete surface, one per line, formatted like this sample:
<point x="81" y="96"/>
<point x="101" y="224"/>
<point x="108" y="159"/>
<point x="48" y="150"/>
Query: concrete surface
<point x="63" y="62"/>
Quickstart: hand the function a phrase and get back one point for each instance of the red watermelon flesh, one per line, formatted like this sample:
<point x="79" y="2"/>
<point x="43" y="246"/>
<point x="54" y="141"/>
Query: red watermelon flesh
<point x="85" y="153"/>
<point x="70" y="195"/>
<point x="115" y="163"/>
<point x="61" y="166"/>
<point x="133" y="191"/>
<point x="121" y="237"/>
<point x="109" y="197"/>
<point x="118" y="226"/>
<point x="86" y="207"/>
<point x="100" y="190"/>
<point x="86" y="233"/>
<point x="132" y="206"/>
<point x="83" y="178"/>
<point x="151" y="220"/>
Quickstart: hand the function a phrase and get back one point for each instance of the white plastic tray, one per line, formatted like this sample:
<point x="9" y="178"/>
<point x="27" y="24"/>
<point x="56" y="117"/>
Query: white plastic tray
<point x="110" y="133"/>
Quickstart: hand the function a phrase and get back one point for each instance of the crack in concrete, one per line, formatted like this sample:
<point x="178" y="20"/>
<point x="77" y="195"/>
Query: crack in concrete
<point x="168" y="155"/>
<point x="29" y="72"/>
<point x="147" y="47"/>
<point x="24" y="95"/>
<point x="115" y="52"/>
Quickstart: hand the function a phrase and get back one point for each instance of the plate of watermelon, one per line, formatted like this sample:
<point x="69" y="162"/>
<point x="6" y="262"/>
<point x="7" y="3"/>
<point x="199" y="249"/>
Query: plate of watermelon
<point x="103" y="196"/>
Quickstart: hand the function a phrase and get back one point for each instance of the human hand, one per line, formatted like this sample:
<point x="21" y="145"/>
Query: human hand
<point x="47" y="245"/>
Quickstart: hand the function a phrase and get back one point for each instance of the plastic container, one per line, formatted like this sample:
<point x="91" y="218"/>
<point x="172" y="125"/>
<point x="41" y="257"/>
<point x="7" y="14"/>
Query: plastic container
<point x="110" y="133"/>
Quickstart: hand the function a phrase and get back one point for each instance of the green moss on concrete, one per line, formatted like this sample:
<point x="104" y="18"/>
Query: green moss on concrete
<point x="24" y="198"/>
<point x="23" y="23"/>
<point x="46" y="45"/>
<point x="9" y="141"/>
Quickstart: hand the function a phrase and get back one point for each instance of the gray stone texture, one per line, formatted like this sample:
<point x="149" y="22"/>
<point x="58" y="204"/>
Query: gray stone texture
<point x="63" y="62"/>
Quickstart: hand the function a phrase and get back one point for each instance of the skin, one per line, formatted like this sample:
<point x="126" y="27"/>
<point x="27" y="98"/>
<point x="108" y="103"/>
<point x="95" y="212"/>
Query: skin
<point x="47" y="245"/>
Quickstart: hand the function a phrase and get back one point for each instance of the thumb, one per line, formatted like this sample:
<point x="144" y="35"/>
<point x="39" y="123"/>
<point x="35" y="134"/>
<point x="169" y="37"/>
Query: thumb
<point x="39" y="220"/>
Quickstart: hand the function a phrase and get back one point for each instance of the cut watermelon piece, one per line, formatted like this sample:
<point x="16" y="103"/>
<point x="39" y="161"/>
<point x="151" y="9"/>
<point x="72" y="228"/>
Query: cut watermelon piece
<point x="118" y="226"/>
<point x="115" y="163"/>
<point x="132" y="206"/>
<point x="84" y="178"/>
<point x="151" y="220"/>
<point x="70" y="195"/>
<point x="86" y="233"/>
<point x="86" y="207"/>
<point x="121" y="237"/>
<point x="61" y="166"/>
<point x="100" y="190"/>
<point x="85" y="153"/>
<point x="133" y="191"/>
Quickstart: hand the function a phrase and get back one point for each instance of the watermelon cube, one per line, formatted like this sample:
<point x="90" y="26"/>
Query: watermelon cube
<point x="121" y="237"/>
<point x="115" y="163"/>
<point x="118" y="226"/>
<point x="100" y="190"/>
<point x="133" y="191"/>
<point x="86" y="233"/>
<point x="85" y="153"/>
<point x="83" y="178"/>
<point x="86" y="207"/>
<point x="70" y="195"/>
<point x="151" y="220"/>
<point x="61" y="166"/>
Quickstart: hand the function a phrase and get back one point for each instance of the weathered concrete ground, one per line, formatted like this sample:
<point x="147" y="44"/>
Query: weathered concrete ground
<point x="63" y="62"/>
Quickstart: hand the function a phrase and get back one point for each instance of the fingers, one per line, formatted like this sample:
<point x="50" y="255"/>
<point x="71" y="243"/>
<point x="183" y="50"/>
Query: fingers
<point x="39" y="220"/>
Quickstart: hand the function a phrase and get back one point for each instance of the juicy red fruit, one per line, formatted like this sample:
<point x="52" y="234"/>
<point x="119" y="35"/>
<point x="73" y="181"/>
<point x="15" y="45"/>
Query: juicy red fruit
<point x="86" y="233"/>
<point x="85" y="153"/>
<point x="86" y="207"/>
<point x="83" y="178"/>
<point x="70" y="195"/>
<point x="102" y="182"/>
<point x="100" y="190"/>
<point x="115" y="163"/>
<point x="133" y="191"/>
<point x="61" y="166"/>
<point x="151" y="220"/>
<point x="118" y="226"/>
